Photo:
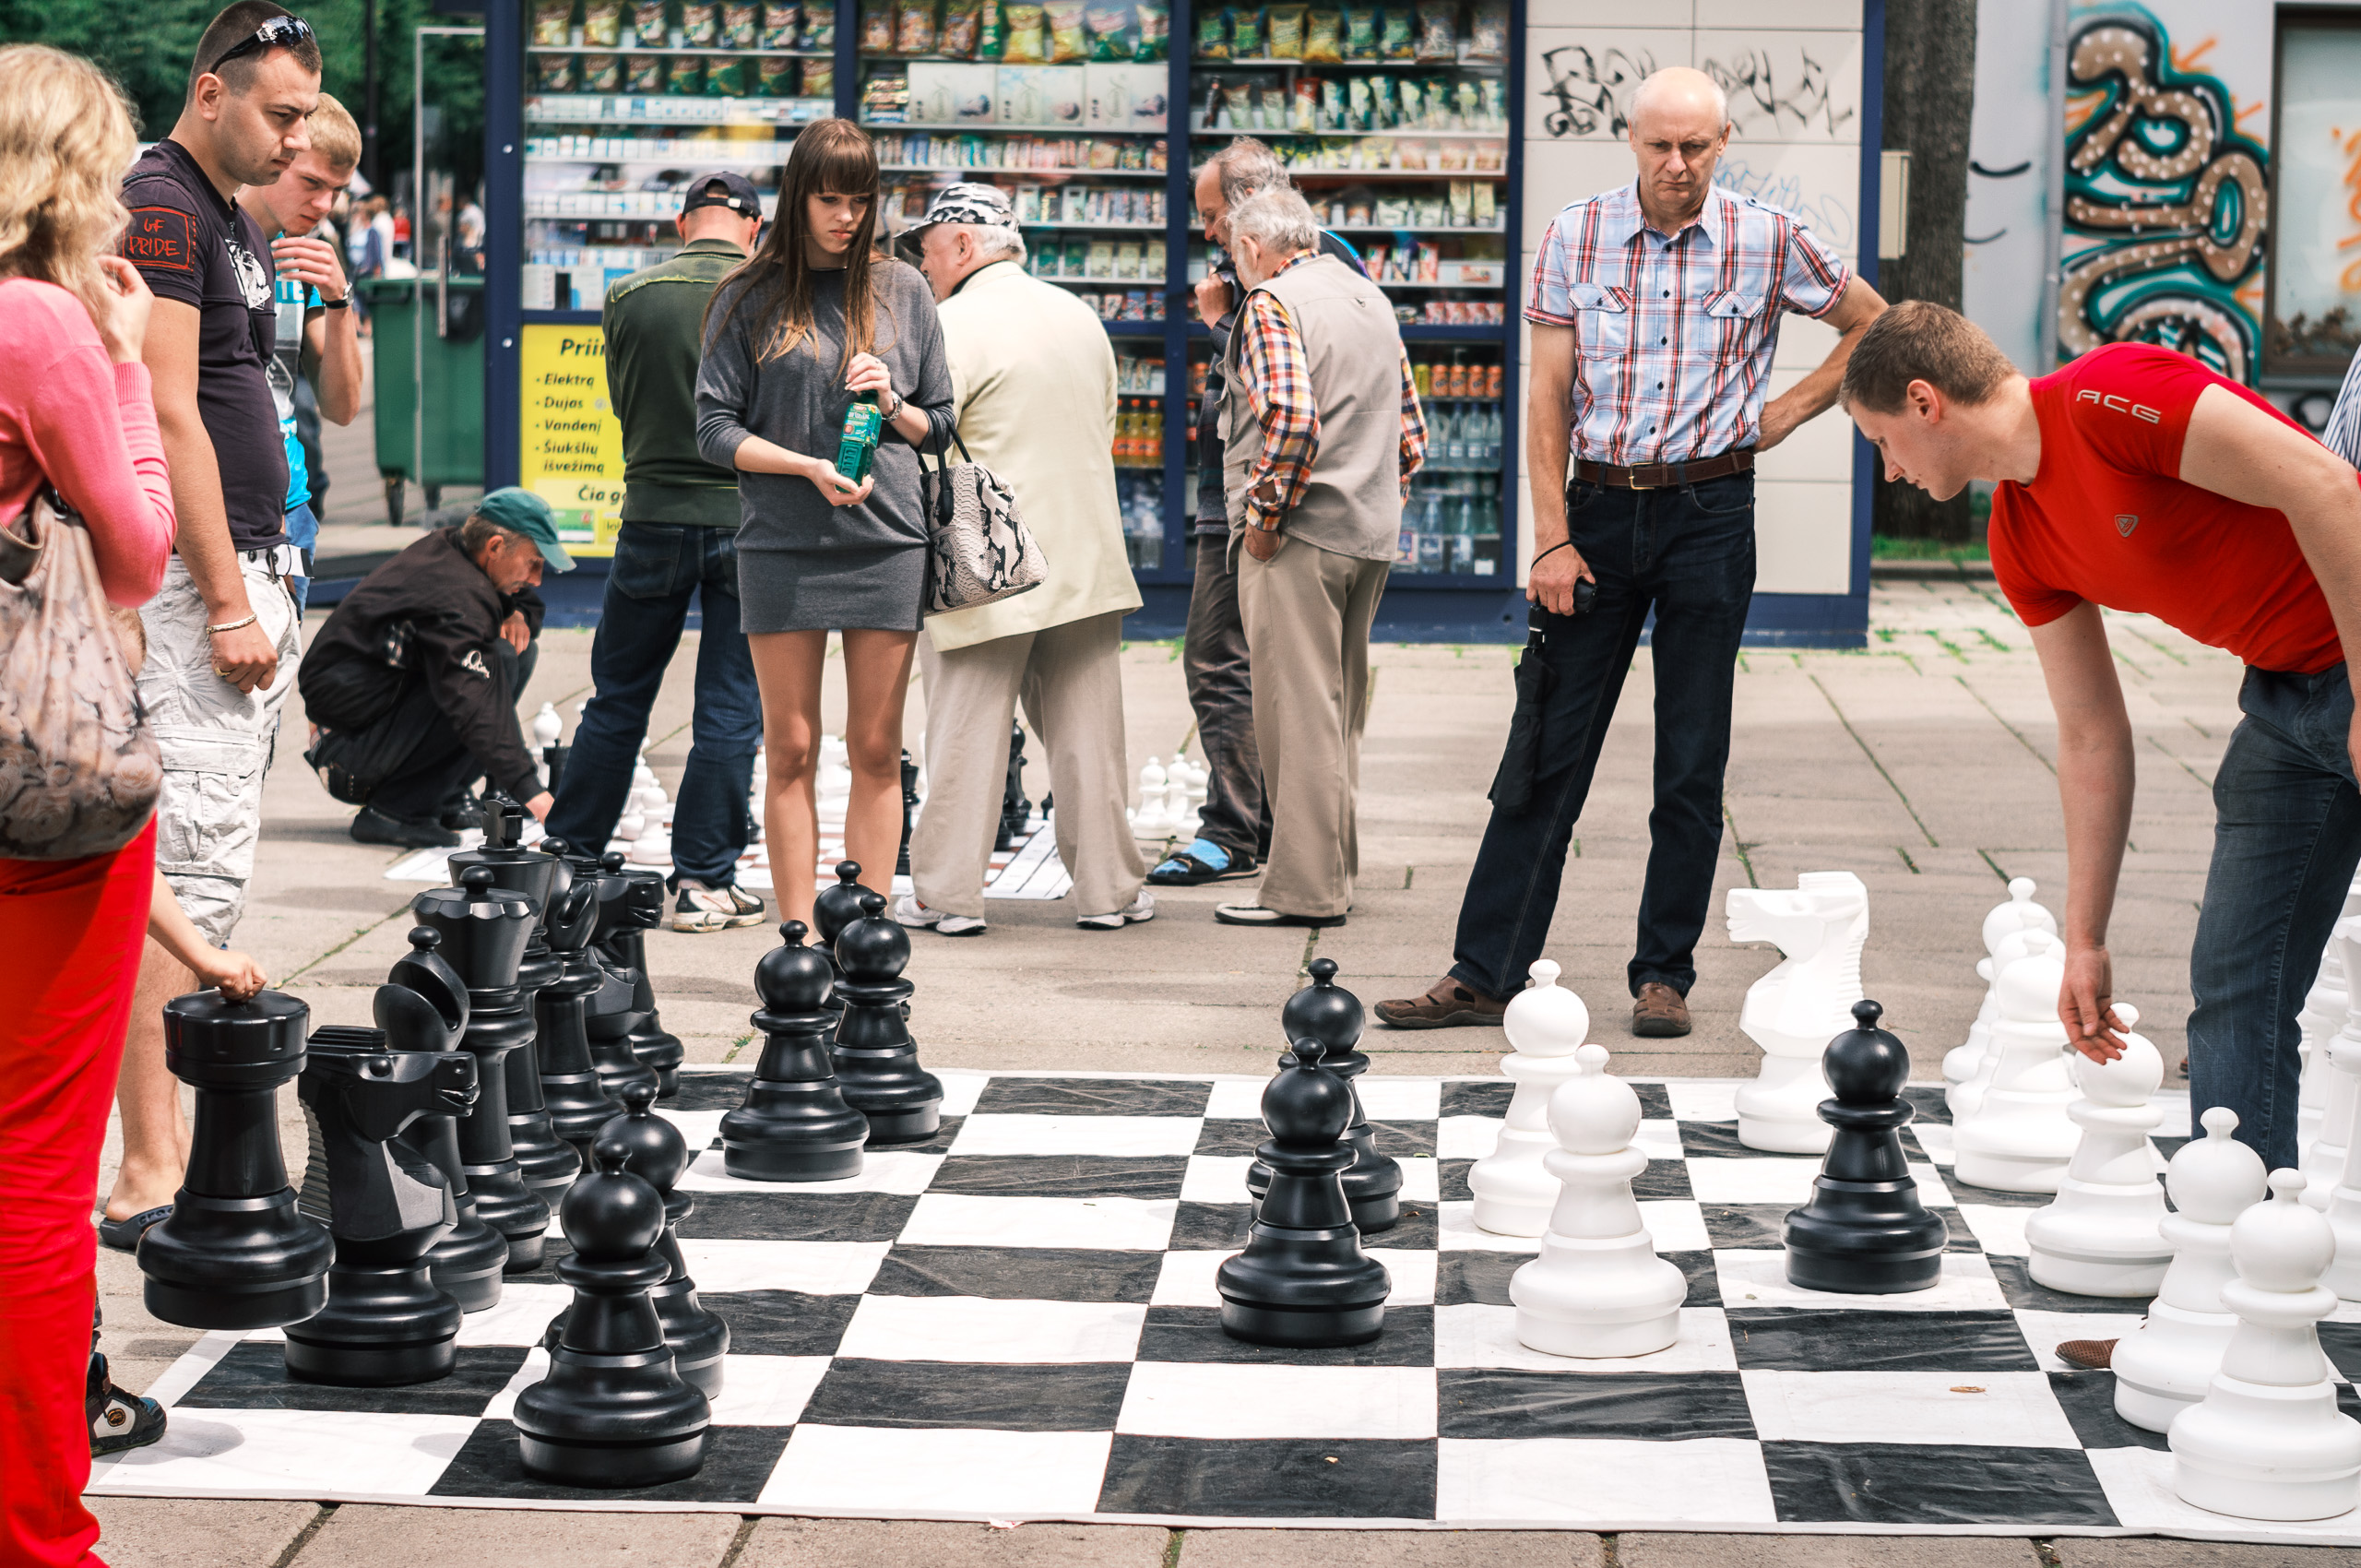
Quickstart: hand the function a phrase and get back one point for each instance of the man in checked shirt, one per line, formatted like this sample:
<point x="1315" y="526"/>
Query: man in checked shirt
<point x="1655" y="314"/>
<point x="1317" y="455"/>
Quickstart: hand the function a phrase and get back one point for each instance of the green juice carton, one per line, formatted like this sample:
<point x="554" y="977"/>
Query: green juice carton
<point x="864" y="422"/>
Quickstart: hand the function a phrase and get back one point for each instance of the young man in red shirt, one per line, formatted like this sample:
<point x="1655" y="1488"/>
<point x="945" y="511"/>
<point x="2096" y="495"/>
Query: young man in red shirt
<point x="2137" y="479"/>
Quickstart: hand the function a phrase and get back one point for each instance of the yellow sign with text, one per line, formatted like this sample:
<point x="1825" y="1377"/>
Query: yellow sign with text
<point x="571" y="453"/>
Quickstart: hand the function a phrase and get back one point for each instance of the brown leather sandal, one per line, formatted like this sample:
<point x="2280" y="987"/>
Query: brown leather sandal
<point x="1447" y="1005"/>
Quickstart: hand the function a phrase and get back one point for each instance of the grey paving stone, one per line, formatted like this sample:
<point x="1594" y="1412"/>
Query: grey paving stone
<point x="2153" y="1552"/>
<point x="367" y="1536"/>
<point x="178" y="1532"/>
<point x="1396" y="1549"/>
<point x="1825" y="1552"/>
<point x="901" y="1543"/>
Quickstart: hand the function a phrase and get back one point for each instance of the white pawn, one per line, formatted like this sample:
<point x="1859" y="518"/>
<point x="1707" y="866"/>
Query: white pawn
<point x="2017" y="912"/>
<point x="1963" y="1096"/>
<point x="2101" y="1238"/>
<point x="2020" y="1138"/>
<point x="2322" y="1017"/>
<point x="1598" y="1289"/>
<point x="547" y="726"/>
<point x="1178" y="811"/>
<point x="1153" y="779"/>
<point x="2268" y="1442"/>
<point x="2323" y="1157"/>
<point x="2165" y="1367"/>
<point x="652" y="847"/>
<point x="1545" y="1024"/>
<point x="1793" y="1011"/>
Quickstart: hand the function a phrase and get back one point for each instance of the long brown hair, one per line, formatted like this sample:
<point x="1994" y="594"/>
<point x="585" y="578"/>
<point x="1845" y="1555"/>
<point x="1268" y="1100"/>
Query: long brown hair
<point x="66" y="140"/>
<point x="833" y="156"/>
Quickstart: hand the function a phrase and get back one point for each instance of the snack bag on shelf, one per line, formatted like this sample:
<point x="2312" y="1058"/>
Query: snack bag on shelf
<point x="782" y="25"/>
<point x="1468" y="105"/>
<point x="914" y="33"/>
<point x="1099" y="258"/>
<point x="1238" y="106"/>
<point x="1486" y="212"/>
<point x="1069" y="38"/>
<point x="1439" y="30"/>
<point x="876" y="27"/>
<point x="1109" y="24"/>
<point x="1356" y="104"/>
<point x="1401" y="35"/>
<point x="553" y="22"/>
<point x="963" y="22"/>
<point x="780" y="78"/>
<point x="701" y="24"/>
<point x="742" y="25"/>
<point x="644" y="74"/>
<point x="651" y="26"/>
<point x="602" y="73"/>
<point x="1332" y="104"/>
<point x="1212" y="36"/>
<point x="1414" y="106"/>
<point x="1304" y="118"/>
<point x="1324" y="37"/>
<point x="602" y="23"/>
<point x="1361" y="40"/>
<point x="1384" y="103"/>
<point x="820" y="28"/>
<point x="817" y="78"/>
<point x="730" y="76"/>
<point x="554" y="73"/>
<point x="1157" y="154"/>
<point x="1246" y="33"/>
<point x="1287" y="32"/>
<point x="1489" y="40"/>
<point x="1028" y="34"/>
<point x="1156" y="29"/>
<point x="1462" y="202"/>
<point x="687" y="76"/>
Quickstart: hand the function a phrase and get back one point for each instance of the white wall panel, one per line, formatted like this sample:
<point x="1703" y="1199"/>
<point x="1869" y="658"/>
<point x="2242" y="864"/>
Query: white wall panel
<point x="1803" y="537"/>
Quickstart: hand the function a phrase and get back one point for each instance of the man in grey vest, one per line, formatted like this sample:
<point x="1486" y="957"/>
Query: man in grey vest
<point x="1314" y="472"/>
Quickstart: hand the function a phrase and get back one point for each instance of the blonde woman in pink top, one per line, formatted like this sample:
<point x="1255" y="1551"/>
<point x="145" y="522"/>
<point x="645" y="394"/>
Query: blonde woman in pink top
<point x="76" y="414"/>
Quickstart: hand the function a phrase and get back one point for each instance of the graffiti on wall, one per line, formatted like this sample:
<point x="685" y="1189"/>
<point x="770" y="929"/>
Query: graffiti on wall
<point x="2166" y="203"/>
<point x="1590" y="90"/>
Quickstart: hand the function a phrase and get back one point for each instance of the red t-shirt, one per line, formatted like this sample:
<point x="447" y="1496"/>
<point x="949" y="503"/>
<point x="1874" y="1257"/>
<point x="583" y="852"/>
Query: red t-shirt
<point x="2108" y="518"/>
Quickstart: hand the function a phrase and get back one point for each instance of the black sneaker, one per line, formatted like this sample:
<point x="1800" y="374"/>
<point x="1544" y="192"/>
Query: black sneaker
<point x="374" y="826"/>
<point x="118" y="1420"/>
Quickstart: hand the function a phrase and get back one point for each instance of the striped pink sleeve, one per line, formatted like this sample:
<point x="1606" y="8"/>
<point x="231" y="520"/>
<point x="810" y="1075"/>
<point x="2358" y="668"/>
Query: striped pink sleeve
<point x="92" y="429"/>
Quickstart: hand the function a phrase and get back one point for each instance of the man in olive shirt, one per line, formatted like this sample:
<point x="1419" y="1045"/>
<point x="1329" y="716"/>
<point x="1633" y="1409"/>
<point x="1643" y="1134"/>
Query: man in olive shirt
<point x="679" y="538"/>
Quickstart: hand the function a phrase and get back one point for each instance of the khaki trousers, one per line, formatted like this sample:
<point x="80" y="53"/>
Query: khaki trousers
<point x="1072" y="682"/>
<point x="1307" y="612"/>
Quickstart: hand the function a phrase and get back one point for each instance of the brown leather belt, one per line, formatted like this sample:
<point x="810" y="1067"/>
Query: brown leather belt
<point x="1664" y="476"/>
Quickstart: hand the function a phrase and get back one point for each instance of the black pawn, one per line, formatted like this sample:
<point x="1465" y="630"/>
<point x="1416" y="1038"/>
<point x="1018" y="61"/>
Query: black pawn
<point x="836" y="908"/>
<point x="1326" y="1012"/>
<point x="485" y="932"/>
<point x="1865" y="1232"/>
<point x="468" y="1260"/>
<point x="546" y="1162"/>
<point x="654" y="1150"/>
<point x="387" y="1322"/>
<point x="612" y="1411"/>
<point x="795" y="1125"/>
<point x="876" y="1061"/>
<point x="1303" y="1281"/>
<point x="235" y="1252"/>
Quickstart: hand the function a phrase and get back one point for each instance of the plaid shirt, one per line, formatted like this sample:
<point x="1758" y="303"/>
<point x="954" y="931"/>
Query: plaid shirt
<point x="1278" y="388"/>
<point x="1673" y="338"/>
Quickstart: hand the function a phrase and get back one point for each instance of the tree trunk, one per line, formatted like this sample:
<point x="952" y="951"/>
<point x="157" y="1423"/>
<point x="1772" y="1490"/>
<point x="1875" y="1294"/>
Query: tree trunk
<point x="1929" y="100"/>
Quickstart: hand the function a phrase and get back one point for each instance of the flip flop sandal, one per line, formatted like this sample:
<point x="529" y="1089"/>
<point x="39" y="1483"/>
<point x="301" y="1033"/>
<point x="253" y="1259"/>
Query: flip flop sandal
<point x="124" y="1235"/>
<point x="1185" y="870"/>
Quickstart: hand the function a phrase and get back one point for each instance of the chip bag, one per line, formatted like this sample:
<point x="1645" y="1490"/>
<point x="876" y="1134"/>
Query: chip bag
<point x="554" y="73"/>
<point x="962" y="30"/>
<point x="1324" y="38"/>
<point x="1246" y="33"/>
<point x="1361" y="23"/>
<point x="1287" y="32"/>
<point x="602" y="73"/>
<point x="1109" y="24"/>
<point x="915" y="33"/>
<point x="1156" y="29"/>
<point x="742" y="25"/>
<point x="553" y="22"/>
<point x="650" y="25"/>
<point x="819" y="78"/>
<point x="1401" y="34"/>
<point x="1069" y="36"/>
<point x="602" y="23"/>
<point x="1212" y="36"/>
<point x="876" y="27"/>
<point x="701" y="24"/>
<point x="644" y="74"/>
<point x="1028" y="34"/>
<point x="1439" y="30"/>
<point x="1489" y="39"/>
<point x="782" y="25"/>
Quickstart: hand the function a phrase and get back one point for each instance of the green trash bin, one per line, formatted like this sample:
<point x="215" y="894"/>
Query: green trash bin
<point x="449" y="450"/>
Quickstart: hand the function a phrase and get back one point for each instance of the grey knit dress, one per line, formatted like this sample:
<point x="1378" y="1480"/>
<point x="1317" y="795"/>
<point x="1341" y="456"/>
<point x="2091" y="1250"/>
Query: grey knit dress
<point x="803" y="564"/>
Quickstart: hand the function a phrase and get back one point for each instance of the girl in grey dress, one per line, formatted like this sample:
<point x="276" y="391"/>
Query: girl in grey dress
<point x="808" y="321"/>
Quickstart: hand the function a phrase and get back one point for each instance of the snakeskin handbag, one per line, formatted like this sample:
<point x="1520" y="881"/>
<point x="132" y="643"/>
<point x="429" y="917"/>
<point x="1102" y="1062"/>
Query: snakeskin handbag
<point x="79" y="771"/>
<point x="978" y="550"/>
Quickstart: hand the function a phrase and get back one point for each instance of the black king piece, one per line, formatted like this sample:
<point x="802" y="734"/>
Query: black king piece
<point x="386" y="1323"/>
<point x="486" y="927"/>
<point x="548" y="1163"/>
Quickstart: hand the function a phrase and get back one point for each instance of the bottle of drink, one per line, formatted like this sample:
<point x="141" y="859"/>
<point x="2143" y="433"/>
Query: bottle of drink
<point x="1455" y="423"/>
<point x="1462" y="541"/>
<point x="1488" y="537"/>
<point x="858" y="445"/>
<point x="1430" y="520"/>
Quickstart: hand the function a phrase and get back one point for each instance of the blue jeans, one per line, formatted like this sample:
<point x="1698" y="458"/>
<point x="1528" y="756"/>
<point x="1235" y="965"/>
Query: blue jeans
<point x="2286" y="838"/>
<point x="1687" y="555"/>
<point x="657" y="567"/>
<point x="302" y="532"/>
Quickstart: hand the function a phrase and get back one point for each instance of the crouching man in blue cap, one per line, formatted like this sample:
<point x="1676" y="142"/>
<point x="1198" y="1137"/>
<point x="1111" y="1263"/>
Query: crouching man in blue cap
<point x="411" y="686"/>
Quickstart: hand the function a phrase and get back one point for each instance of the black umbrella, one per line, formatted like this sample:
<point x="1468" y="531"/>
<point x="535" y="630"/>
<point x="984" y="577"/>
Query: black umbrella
<point x="1512" y="786"/>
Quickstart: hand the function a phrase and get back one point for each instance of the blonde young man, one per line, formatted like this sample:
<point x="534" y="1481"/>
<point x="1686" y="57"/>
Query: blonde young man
<point x="1033" y="387"/>
<point x="222" y="633"/>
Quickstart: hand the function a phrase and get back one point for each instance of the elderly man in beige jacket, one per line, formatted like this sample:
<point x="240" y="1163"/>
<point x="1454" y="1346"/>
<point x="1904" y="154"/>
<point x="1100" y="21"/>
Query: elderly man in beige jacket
<point x="1033" y="384"/>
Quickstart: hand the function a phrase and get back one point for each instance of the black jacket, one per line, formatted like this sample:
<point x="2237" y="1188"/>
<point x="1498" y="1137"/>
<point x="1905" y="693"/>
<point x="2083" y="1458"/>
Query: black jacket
<point x="428" y="614"/>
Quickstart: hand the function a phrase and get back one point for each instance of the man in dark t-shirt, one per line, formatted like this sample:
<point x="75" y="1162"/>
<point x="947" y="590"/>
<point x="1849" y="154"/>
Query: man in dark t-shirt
<point x="2136" y="478"/>
<point x="223" y="631"/>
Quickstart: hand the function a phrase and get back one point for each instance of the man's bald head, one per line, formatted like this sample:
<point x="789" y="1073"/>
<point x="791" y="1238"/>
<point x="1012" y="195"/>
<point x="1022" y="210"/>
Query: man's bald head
<point x="1682" y="92"/>
<point x="1679" y="124"/>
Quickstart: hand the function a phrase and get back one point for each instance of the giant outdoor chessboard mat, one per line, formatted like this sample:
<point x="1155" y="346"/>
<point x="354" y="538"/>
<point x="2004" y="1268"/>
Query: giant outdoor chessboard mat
<point x="1017" y="1322"/>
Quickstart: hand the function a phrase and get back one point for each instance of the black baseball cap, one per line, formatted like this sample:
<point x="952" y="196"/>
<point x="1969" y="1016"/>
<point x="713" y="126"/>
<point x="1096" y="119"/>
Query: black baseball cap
<point x="737" y="193"/>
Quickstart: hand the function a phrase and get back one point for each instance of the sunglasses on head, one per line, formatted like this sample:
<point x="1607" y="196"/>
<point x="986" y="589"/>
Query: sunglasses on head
<point x="279" y="32"/>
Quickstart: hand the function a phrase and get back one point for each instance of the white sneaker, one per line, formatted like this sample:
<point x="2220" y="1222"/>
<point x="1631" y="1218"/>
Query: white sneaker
<point x="1140" y="909"/>
<point x="699" y="907"/>
<point x="909" y="911"/>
